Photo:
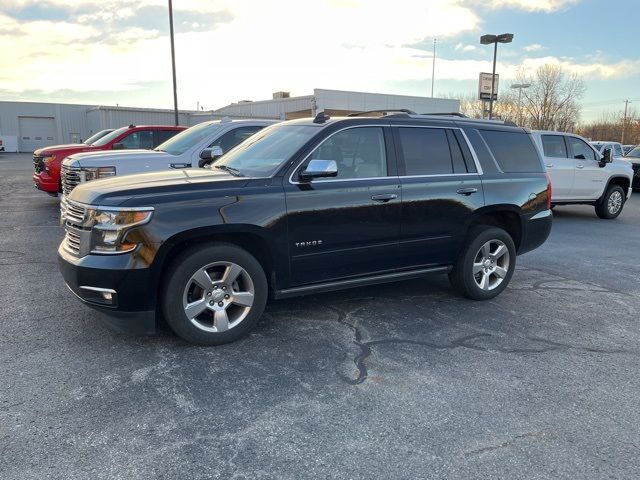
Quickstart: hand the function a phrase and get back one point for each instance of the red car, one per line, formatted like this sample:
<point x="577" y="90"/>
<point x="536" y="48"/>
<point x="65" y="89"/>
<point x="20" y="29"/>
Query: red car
<point x="47" y="161"/>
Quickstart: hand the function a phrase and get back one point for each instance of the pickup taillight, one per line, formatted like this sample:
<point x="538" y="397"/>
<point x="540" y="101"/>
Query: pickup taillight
<point x="549" y="191"/>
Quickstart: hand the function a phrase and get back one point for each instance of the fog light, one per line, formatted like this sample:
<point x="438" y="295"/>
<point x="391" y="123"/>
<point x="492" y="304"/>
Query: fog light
<point x="101" y="296"/>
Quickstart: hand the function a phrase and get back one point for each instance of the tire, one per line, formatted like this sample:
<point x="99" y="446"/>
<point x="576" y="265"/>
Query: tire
<point x="611" y="203"/>
<point x="195" y="284"/>
<point x="497" y="271"/>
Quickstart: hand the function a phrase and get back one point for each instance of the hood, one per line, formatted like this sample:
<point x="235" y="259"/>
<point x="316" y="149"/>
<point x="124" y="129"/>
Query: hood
<point x="79" y="147"/>
<point x="635" y="160"/>
<point x="108" y="157"/>
<point x="117" y="190"/>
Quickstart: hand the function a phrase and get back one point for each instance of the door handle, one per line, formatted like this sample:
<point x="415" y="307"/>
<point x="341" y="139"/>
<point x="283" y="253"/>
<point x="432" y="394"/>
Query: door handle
<point x="580" y="166"/>
<point x="467" y="191"/>
<point x="180" y="165"/>
<point x="384" y="197"/>
<point x="549" y="165"/>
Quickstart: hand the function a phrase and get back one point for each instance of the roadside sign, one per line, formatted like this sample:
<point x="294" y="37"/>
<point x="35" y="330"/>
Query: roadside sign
<point x="484" y="86"/>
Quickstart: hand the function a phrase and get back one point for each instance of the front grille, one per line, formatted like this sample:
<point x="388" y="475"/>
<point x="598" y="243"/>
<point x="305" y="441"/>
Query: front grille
<point x="38" y="163"/>
<point x="75" y="234"/>
<point x="636" y="169"/>
<point x="70" y="178"/>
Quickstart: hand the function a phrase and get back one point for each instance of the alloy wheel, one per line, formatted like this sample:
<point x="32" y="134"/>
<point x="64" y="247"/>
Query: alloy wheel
<point x="614" y="203"/>
<point x="218" y="297"/>
<point x="491" y="264"/>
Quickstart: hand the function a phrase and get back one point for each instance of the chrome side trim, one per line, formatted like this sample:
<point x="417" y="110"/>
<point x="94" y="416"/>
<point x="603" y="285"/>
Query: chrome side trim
<point x="97" y="289"/>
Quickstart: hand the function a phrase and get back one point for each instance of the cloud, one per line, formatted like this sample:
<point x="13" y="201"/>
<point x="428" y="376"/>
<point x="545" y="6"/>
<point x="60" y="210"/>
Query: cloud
<point x="532" y="5"/>
<point x="532" y="48"/>
<point x="465" y="48"/>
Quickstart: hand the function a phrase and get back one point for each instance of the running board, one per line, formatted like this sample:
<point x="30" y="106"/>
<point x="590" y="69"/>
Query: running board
<point x="357" y="282"/>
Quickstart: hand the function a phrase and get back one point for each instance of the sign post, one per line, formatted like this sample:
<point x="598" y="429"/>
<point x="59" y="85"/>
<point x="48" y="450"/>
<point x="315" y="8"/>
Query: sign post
<point x="486" y="87"/>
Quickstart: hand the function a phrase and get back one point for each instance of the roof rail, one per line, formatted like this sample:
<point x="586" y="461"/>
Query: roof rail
<point x="321" y="118"/>
<point x="447" y="114"/>
<point x="382" y="112"/>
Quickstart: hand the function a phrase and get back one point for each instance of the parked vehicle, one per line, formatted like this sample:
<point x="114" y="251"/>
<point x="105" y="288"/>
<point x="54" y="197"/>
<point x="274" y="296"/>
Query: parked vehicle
<point x="97" y="136"/>
<point x="190" y="148"/>
<point x="634" y="157"/>
<point x="627" y="148"/>
<point x="617" y="151"/>
<point x="581" y="174"/>
<point x="48" y="161"/>
<point x="309" y="206"/>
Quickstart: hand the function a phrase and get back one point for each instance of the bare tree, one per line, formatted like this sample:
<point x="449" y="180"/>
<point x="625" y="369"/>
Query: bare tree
<point x="551" y="103"/>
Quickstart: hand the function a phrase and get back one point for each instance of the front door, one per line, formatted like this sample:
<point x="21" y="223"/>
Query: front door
<point x="348" y="225"/>
<point x="560" y="166"/>
<point x="590" y="178"/>
<point x="441" y="188"/>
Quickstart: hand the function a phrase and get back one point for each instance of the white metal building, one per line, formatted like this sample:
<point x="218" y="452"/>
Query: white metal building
<point x="37" y="125"/>
<point x="336" y="103"/>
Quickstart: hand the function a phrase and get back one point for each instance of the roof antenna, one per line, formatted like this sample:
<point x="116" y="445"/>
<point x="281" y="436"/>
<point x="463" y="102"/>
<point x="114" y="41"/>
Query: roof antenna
<point x="321" y="118"/>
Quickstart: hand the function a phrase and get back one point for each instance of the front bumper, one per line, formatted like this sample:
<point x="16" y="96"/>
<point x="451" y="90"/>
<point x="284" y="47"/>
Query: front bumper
<point x="535" y="230"/>
<point x="45" y="182"/>
<point x="131" y="298"/>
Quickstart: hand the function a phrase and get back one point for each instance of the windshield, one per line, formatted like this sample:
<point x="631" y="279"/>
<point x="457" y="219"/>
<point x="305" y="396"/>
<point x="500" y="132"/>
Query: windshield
<point x="110" y="136"/>
<point x="598" y="146"/>
<point x="634" y="153"/>
<point x="263" y="153"/>
<point x="97" y="136"/>
<point x="186" y="139"/>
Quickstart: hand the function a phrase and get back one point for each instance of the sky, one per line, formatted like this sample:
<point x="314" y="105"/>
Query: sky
<point x="112" y="52"/>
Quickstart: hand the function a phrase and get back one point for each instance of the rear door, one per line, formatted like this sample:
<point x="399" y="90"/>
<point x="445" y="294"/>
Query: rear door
<point x="590" y="178"/>
<point x="560" y="165"/>
<point x="441" y="187"/>
<point x="348" y="225"/>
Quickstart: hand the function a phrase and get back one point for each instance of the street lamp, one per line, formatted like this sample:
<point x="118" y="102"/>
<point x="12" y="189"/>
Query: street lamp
<point x="520" y="86"/>
<point x="173" y="63"/>
<point x="495" y="39"/>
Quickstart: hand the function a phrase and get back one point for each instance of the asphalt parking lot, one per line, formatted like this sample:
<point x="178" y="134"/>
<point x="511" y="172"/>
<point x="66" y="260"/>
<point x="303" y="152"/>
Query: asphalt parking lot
<point x="404" y="380"/>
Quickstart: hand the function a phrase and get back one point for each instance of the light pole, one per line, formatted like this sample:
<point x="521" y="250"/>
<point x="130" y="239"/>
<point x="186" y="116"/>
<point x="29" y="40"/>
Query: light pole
<point x="495" y="39"/>
<point x="433" y="66"/>
<point x="173" y="64"/>
<point x="520" y="86"/>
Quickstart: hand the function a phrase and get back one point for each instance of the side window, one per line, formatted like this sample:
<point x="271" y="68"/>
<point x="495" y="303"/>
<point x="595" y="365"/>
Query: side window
<point x="425" y="151"/>
<point x="234" y="137"/>
<point x="554" y="146"/>
<point x="514" y="151"/>
<point x="580" y="149"/>
<point x="617" y="150"/>
<point x="139" y="139"/>
<point x="358" y="152"/>
<point x="456" y="154"/>
<point x="164" y="135"/>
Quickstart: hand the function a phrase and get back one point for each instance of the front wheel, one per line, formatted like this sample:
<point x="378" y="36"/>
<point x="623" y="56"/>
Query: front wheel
<point x="485" y="265"/>
<point x="611" y="203"/>
<point x="214" y="294"/>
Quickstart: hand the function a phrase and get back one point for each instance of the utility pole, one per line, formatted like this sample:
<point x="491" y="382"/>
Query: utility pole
<point x="173" y="63"/>
<point x="624" y="120"/>
<point x="433" y="66"/>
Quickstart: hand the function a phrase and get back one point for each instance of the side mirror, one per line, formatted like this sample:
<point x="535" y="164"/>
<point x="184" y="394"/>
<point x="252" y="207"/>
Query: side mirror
<point x="606" y="158"/>
<point x="208" y="155"/>
<point x="118" y="146"/>
<point x="319" y="169"/>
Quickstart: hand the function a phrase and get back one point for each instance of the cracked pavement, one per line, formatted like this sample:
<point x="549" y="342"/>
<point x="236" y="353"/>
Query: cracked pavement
<point x="402" y="380"/>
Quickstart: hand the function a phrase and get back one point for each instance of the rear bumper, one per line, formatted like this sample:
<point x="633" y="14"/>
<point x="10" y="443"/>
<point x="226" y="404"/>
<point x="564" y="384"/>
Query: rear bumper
<point x="535" y="230"/>
<point x="45" y="182"/>
<point x="105" y="283"/>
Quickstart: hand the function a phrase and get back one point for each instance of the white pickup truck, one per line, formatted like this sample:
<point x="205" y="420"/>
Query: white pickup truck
<point x="195" y="147"/>
<point x="581" y="174"/>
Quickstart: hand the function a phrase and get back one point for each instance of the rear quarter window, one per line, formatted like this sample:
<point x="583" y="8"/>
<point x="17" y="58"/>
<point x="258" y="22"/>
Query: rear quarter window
<point x="514" y="151"/>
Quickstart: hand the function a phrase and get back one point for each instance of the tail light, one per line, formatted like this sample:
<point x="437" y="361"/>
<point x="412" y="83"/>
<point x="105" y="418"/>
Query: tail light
<point x="549" y="191"/>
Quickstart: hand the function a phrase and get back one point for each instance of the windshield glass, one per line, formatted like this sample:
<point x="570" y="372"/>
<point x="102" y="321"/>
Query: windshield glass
<point x="598" y="146"/>
<point x="110" y="136"/>
<point x="97" y="136"/>
<point x="634" y="153"/>
<point x="263" y="153"/>
<point x="186" y="139"/>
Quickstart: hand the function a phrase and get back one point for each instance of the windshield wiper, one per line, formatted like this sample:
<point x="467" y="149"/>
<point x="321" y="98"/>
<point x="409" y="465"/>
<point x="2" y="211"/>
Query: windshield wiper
<point x="233" y="171"/>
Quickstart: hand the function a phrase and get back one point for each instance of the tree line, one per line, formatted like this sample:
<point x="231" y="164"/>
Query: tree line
<point x="552" y="102"/>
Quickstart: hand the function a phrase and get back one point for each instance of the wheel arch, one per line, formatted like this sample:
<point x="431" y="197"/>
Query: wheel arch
<point x="621" y="181"/>
<point x="507" y="217"/>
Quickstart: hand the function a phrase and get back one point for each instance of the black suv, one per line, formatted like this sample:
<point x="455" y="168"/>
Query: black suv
<point x="309" y="206"/>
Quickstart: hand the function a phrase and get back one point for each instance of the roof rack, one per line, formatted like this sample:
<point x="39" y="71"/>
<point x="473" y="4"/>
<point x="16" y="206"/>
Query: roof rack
<point x="383" y="112"/>
<point x="447" y="114"/>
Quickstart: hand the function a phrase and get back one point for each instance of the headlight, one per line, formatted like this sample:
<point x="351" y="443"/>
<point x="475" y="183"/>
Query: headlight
<point x="109" y="228"/>
<point x="94" y="173"/>
<point x="46" y="160"/>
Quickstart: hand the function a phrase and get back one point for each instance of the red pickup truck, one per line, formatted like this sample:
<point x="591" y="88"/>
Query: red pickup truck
<point x="47" y="161"/>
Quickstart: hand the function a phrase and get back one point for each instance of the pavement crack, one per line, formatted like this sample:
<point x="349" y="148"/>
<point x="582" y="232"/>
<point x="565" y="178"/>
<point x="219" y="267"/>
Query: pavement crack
<point x="508" y="443"/>
<point x="365" y="350"/>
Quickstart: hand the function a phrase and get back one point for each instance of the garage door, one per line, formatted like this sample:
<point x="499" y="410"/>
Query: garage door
<point x="36" y="132"/>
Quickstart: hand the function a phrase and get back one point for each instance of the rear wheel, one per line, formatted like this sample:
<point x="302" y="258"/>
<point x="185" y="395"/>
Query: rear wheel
<point x="485" y="265"/>
<point x="611" y="203"/>
<point x="214" y="295"/>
